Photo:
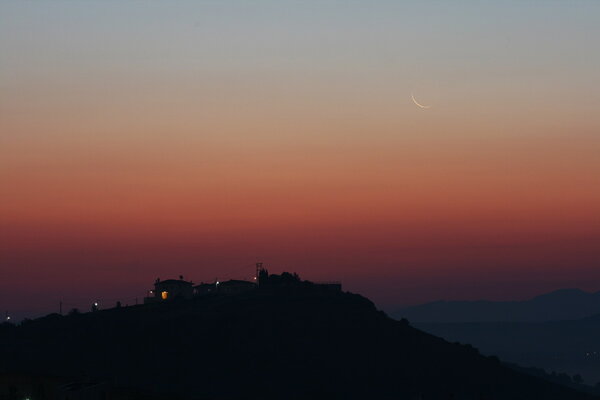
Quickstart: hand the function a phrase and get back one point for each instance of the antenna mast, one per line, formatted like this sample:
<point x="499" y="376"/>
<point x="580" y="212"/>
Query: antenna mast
<point x="258" y="269"/>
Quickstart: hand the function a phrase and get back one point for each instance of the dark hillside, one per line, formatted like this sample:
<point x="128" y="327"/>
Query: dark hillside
<point x="569" y="346"/>
<point x="284" y="343"/>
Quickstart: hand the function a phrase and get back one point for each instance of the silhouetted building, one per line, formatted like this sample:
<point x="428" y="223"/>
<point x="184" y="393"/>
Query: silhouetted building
<point x="180" y="288"/>
<point x="292" y="280"/>
<point x="170" y="289"/>
<point x="205" y="288"/>
<point x="234" y="286"/>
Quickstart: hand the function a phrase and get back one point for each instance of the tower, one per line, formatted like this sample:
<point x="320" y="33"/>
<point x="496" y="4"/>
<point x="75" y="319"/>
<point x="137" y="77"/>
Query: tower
<point x="258" y="269"/>
<point x="262" y="275"/>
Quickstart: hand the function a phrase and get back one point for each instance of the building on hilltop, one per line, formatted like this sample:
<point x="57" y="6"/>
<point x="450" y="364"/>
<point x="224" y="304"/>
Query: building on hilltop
<point x="289" y="280"/>
<point x="179" y="288"/>
<point x="234" y="286"/>
<point x="170" y="289"/>
<point x="205" y="288"/>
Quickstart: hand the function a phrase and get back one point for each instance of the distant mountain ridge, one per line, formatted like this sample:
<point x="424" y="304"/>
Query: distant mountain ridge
<point x="563" y="304"/>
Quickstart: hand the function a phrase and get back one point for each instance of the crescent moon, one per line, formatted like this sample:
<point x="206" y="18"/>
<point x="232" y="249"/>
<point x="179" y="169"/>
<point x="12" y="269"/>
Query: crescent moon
<point x="417" y="103"/>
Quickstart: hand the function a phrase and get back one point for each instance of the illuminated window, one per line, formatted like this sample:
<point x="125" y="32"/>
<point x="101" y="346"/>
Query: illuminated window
<point x="164" y="295"/>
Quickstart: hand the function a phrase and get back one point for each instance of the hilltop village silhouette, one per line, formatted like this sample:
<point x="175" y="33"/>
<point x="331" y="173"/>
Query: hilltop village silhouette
<point x="273" y="337"/>
<point x="174" y="289"/>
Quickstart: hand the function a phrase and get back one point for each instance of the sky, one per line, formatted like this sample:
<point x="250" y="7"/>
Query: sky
<point x="145" y="139"/>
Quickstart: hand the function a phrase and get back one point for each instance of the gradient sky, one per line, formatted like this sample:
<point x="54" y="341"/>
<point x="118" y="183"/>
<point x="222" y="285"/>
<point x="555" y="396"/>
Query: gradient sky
<point x="152" y="139"/>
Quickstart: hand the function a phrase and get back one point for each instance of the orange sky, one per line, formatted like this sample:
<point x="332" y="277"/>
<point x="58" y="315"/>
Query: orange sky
<point x="144" y="141"/>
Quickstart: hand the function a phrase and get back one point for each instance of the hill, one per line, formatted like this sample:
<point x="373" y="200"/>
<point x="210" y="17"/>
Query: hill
<point x="569" y="346"/>
<point x="558" y="305"/>
<point x="280" y="343"/>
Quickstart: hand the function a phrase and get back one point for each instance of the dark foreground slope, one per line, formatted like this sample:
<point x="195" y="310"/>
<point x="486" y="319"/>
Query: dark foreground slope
<point x="292" y="344"/>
